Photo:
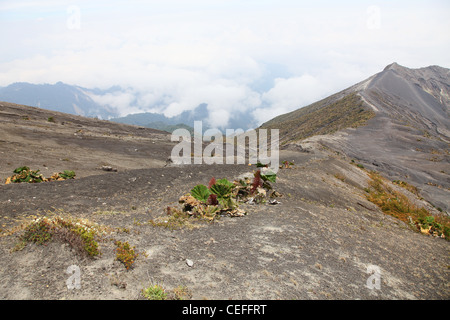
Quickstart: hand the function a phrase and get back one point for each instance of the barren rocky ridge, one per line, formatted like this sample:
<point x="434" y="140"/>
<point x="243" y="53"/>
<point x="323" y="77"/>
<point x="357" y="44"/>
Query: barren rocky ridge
<point x="406" y="133"/>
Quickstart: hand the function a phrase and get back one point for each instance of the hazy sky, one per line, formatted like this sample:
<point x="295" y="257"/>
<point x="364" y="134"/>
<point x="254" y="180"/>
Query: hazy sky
<point x="267" y="56"/>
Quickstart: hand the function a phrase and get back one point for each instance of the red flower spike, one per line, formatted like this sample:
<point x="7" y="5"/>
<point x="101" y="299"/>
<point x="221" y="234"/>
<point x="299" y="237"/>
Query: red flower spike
<point x="211" y="182"/>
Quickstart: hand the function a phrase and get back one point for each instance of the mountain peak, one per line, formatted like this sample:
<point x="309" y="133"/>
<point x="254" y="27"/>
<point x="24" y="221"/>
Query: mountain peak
<point x="393" y="122"/>
<point x="393" y="66"/>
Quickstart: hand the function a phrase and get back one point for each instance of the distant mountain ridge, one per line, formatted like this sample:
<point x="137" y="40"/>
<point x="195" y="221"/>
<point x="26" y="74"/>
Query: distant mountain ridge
<point x="81" y="101"/>
<point x="58" y="97"/>
<point x="161" y="122"/>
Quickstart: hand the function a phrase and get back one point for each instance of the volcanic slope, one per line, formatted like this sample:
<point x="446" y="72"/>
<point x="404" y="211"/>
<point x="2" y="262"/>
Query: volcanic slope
<point x="321" y="239"/>
<point x="396" y="122"/>
<point x="54" y="141"/>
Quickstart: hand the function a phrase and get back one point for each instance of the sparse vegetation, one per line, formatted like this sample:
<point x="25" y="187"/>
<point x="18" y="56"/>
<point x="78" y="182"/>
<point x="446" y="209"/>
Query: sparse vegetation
<point x="26" y="175"/>
<point x="220" y="197"/>
<point x="321" y="118"/>
<point x="225" y="195"/>
<point x="399" y="206"/>
<point x="157" y="292"/>
<point x="175" y="219"/>
<point x="81" y="234"/>
<point x="407" y="186"/>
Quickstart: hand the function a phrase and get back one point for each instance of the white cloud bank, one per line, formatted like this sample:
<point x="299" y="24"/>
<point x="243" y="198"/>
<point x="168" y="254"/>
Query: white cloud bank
<point x="172" y="56"/>
<point x="287" y="95"/>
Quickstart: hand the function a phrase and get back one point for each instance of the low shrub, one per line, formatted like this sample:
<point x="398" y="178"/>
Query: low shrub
<point x="181" y="293"/>
<point x="82" y="235"/>
<point x="38" y="232"/>
<point x="126" y="254"/>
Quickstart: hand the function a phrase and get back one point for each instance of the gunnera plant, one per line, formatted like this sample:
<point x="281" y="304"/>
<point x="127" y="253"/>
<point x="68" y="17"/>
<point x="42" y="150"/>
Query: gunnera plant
<point x="26" y="175"/>
<point x="218" y="193"/>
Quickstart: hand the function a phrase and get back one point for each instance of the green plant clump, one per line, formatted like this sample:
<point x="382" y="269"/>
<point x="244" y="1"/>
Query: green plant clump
<point x="220" y="191"/>
<point x="67" y="174"/>
<point x="155" y="292"/>
<point x="220" y="197"/>
<point x="430" y="225"/>
<point x="26" y="175"/>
